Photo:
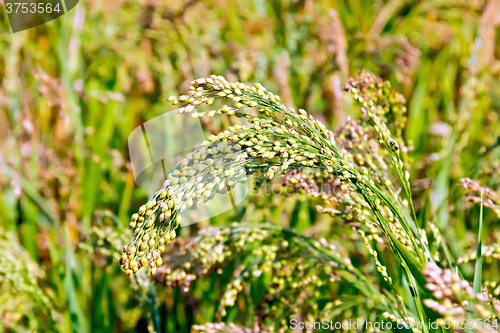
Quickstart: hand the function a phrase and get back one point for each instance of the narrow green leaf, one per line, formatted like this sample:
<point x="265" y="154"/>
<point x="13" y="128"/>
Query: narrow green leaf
<point x="478" y="272"/>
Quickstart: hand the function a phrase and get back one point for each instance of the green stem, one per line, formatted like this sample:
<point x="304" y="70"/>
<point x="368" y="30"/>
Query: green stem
<point x="154" y="309"/>
<point x="415" y="294"/>
<point x="479" y="261"/>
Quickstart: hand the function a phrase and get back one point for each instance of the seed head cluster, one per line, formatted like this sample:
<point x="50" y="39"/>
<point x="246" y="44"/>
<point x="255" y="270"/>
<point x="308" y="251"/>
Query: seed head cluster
<point x="280" y="139"/>
<point x="489" y="252"/>
<point x="226" y="328"/>
<point x="377" y="96"/>
<point x="489" y="198"/>
<point x="453" y="295"/>
<point x="105" y="240"/>
<point x="22" y="298"/>
<point x="293" y="265"/>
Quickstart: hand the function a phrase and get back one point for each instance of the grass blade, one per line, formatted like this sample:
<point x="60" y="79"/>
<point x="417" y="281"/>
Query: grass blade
<point x="478" y="271"/>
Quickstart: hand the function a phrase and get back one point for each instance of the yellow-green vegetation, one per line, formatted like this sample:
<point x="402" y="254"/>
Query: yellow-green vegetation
<point x="374" y="123"/>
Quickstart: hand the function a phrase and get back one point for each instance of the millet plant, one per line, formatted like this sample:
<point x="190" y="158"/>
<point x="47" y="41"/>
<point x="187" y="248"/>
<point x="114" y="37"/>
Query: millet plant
<point x="358" y="175"/>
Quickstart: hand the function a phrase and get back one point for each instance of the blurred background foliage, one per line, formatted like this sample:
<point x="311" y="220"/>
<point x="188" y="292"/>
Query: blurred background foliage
<point x="72" y="90"/>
